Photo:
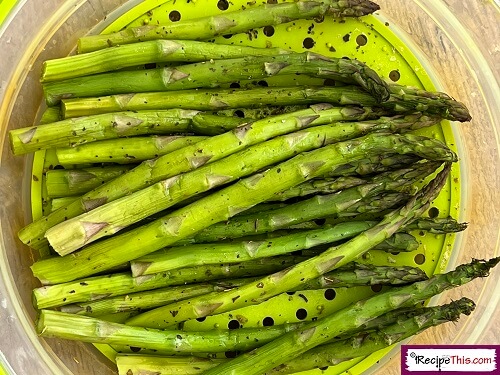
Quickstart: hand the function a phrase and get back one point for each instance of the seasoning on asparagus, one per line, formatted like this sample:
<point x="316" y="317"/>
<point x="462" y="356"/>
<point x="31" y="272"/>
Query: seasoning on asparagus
<point x="73" y="132"/>
<point x="316" y="207"/>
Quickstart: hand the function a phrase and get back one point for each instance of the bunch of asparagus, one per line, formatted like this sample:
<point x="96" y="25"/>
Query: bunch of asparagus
<point x="190" y="200"/>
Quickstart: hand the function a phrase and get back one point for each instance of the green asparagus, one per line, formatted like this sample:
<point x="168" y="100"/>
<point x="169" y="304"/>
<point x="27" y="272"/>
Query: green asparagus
<point x="230" y="23"/>
<point x="220" y="206"/>
<point x="83" y="328"/>
<point x="217" y="99"/>
<point x="108" y="219"/>
<point x="269" y="286"/>
<point x="189" y="158"/>
<point x="290" y="346"/>
<point x="124" y="150"/>
<point x="73" y="132"/>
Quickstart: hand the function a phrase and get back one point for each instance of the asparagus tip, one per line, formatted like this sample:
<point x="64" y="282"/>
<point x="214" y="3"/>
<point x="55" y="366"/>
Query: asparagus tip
<point x="462" y="306"/>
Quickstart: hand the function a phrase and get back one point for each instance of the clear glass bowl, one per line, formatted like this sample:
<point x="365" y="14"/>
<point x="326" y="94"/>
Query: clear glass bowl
<point x="456" y="44"/>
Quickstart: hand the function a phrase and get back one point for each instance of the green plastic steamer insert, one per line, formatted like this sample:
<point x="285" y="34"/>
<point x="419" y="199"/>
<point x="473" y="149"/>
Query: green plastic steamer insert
<point x="371" y="40"/>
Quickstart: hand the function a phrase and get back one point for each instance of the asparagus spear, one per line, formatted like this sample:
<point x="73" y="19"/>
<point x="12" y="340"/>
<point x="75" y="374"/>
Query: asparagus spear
<point x="345" y="277"/>
<point x="73" y="132"/>
<point x="215" y="73"/>
<point x="83" y="328"/>
<point x="124" y="150"/>
<point x="106" y="220"/>
<point x="215" y="253"/>
<point x="315" y="333"/>
<point x="217" y="99"/>
<point x="72" y="182"/>
<point x="229" y="23"/>
<point x="189" y="220"/>
<point x="190" y="158"/>
<point x="269" y="286"/>
<point x="99" y="287"/>
<point x="141" y="53"/>
<point x="317" y="207"/>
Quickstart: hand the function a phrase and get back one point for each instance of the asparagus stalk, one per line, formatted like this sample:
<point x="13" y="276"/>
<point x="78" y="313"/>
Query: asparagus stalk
<point x="73" y="182"/>
<point x="362" y="344"/>
<point x="317" y="207"/>
<point x="214" y="73"/>
<point x="155" y="51"/>
<point x="106" y="220"/>
<point x="189" y="158"/>
<point x="83" y="328"/>
<point x="346" y="277"/>
<point x="217" y="99"/>
<point x="229" y="23"/>
<point x="234" y="252"/>
<point x="269" y="286"/>
<point x="106" y="286"/>
<point x="124" y="150"/>
<point x="245" y="193"/>
<point x="288" y="346"/>
<point x="73" y="132"/>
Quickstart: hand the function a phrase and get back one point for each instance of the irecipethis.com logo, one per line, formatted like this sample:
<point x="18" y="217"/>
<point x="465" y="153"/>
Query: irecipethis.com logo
<point x="453" y="359"/>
